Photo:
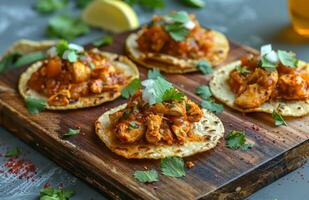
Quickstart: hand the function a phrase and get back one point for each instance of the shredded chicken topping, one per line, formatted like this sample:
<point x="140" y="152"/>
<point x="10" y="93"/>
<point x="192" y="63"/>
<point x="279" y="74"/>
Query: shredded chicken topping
<point x="64" y="82"/>
<point x="167" y="122"/>
<point x="257" y="85"/>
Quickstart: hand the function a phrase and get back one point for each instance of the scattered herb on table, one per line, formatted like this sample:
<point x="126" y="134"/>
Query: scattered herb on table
<point x="208" y="102"/>
<point x="131" y="88"/>
<point x="173" y="166"/>
<point x="49" y="6"/>
<point x="66" y="26"/>
<point x="29" y="58"/>
<point x="34" y="105"/>
<point x="82" y="3"/>
<point x="204" y="66"/>
<point x="279" y="121"/>
<point x="104" y="41"/>
<point x="212" y="106"/>
<point x="236" y="140"/>
<point x="203" y="91"/>
<point x="154" y="73"/>
<point x="194" y="3"/>
<point x="56" y="194"/>
<point x="13" y="152"/>
<point x="8" y="61"/>
<point x="71" y="132"/>
<point x="148" y="176"/>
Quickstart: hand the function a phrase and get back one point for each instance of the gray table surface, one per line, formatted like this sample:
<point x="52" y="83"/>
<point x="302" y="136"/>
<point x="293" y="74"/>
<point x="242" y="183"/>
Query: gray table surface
<point x="251" y="22"/>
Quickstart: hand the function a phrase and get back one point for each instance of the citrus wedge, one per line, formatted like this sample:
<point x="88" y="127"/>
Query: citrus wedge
<point x="112" y="15"/>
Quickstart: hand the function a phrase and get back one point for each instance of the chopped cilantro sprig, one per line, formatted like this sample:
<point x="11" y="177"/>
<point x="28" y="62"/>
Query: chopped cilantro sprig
<point x="236" y="140"/>
<point x="207" y="101"/>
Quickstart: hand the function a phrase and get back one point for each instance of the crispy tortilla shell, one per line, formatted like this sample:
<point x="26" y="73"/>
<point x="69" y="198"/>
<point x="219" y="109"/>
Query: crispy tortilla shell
<point x="120" y="62"/>
<point x="221" y="90"/>
<point x="171" y="64"/>
<point x="210" y="128"/>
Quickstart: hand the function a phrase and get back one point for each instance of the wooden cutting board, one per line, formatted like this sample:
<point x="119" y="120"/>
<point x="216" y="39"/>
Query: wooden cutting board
<point x="220" y="173"/>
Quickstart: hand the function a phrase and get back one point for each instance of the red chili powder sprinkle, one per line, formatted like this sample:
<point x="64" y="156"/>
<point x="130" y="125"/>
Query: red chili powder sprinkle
<point x="21" y="168"/>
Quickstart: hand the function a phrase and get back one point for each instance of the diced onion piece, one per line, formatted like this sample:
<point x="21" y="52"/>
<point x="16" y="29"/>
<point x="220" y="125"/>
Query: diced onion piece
<point x="148" y="91"/>
<point x="76" y="47"/>
<point x="272" y="57"/>
<point x="189" y="25"/>
<point x="52" y="52"/>
<point x="265" y="49"/>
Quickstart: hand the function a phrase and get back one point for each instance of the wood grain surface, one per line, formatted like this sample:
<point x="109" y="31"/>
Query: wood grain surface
<point x="220" y="173"/>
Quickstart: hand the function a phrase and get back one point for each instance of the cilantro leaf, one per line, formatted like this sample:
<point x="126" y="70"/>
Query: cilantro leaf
<point x="8" y="61"/>
<point x="34" y="105"/>
<point x="172" y="95"/>
<point x="242" y="69"/>
<point x="29" y="58"/>
<point x="49" y="6"/>
<point x="204" y="66"/>
<point x="160" y="87"/>
<point x="131" y="88"/>
<point x="177" y="31"/>
<point x="267" y="64"/>
<point x="180" y="17"/>
<point x="82" y="3"/>
<point x="173" y="166"/>
<point x="287" y="58"/>
<point x="56" y="194"/>
<point x="61" y="47"/>
<point x="146" y="176"/>
<point x="67" y="27"/>
<point x="71" y="132"/>
<point x="133" y="125"/>
<point x="154" y="73"/>
<point x="278" y="119"/>
<point x="13" y="152"/>
<point x="212" y="106"/>
<point x="152" y="4"/>
<point x="194" y="3"/>
<point x="236" y="140"/>
<point x="203" y="91"/>
<point x="104" y="41"/>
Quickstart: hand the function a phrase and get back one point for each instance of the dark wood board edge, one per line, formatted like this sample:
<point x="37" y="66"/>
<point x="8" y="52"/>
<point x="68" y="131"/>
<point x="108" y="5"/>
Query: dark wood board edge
<point x="262" y="175"/>
<point x="20" y="127"/>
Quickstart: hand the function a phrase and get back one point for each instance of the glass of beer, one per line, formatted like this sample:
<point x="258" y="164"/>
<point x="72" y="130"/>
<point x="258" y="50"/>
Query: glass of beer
<point x="299" y="13"/>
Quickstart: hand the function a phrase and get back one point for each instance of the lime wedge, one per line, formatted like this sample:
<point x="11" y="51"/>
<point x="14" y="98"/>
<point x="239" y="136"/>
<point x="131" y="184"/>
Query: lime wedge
<point x="194" y="3"/>
<point x="112" y="15"/>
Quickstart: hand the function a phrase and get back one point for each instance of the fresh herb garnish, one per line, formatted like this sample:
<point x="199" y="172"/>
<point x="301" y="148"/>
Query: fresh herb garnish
<point x="152" y="4"/>
<point x="13" y="152"/>
<point x="267" y="64"/>
<point x="104" y="41"/>
<point x="67" y="27"/>
<point x="82" y="3"/>
<point x="61" y="47"/>
<point x="131" y="88"/>
<point x="212" y="106"/>
<point x="146" y="176"/>
<point x="242" y="69"/>
<point x="133" y="125"/>
<point x="236" y="140"/>
<point x="173" y="166"/>
<point x="287" y="58"/>
<point x="154" y="73"/>
<point x="172" y="95"/>
<point x="204" y="66"/>
<point x="203" y="91"/>
<point x="279" y="121"/>
<point x="208" y="102"/>
<point x="9" y="61"/>
<point x="194" y="3"/>
<point x="71" y="132"/>
<point x="29" y="58"/>
<point x="56" y="194"/>
<point x="49" y="6"/>
<point x="34" y="105"/>
<point x="175" y="25"/>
